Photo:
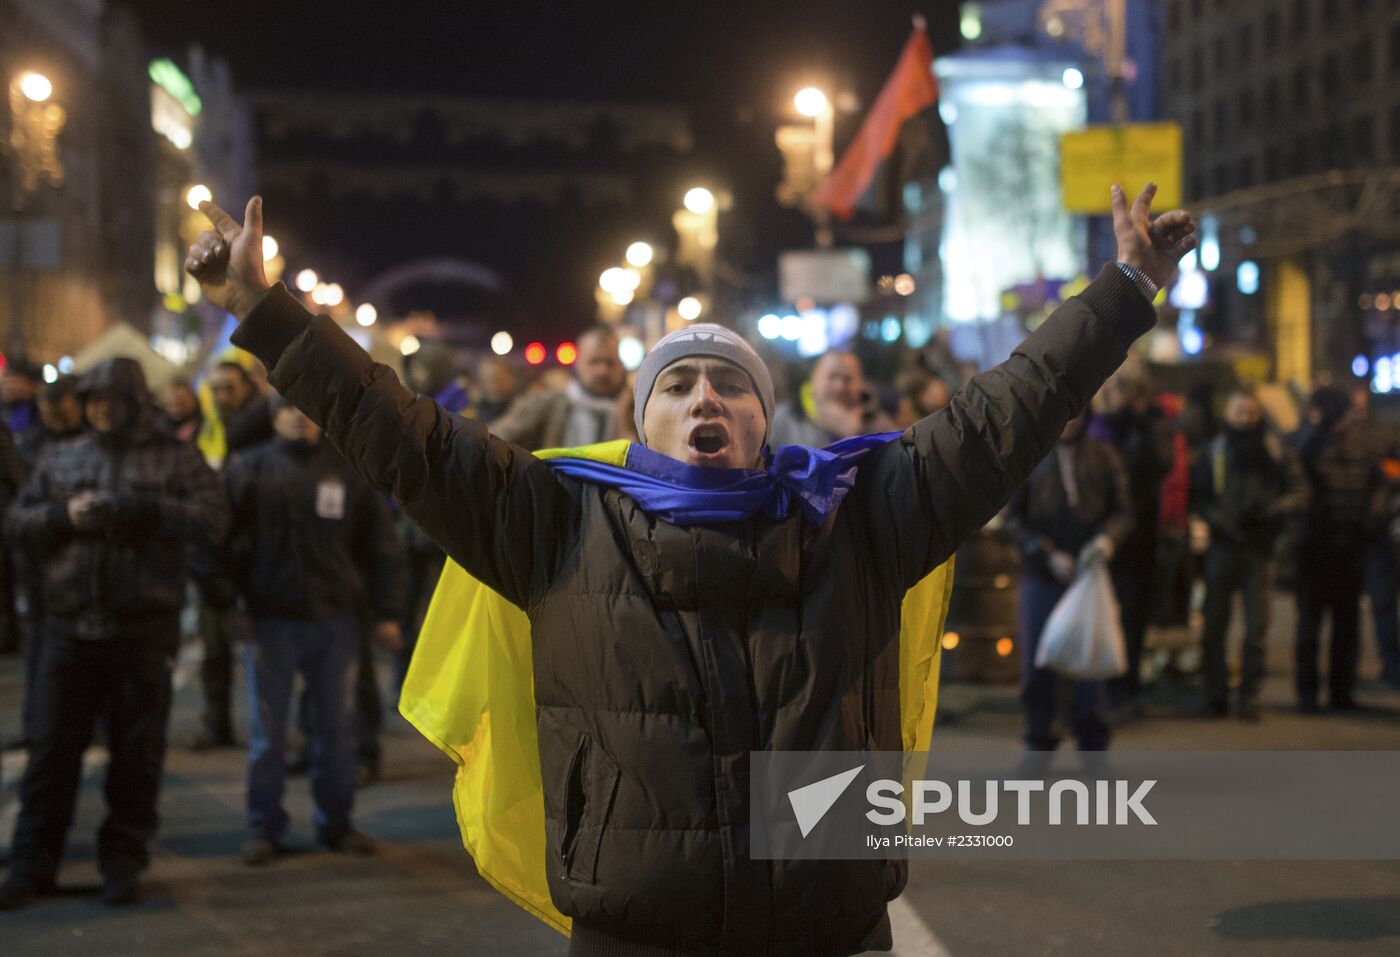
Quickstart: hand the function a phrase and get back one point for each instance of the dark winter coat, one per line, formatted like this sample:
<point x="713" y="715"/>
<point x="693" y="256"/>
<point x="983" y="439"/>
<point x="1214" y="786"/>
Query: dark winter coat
<point x="310" y="541"/>
<point x="1246" y="487"/>
<point x="663" y="656"/>
<point x="160" y="496"/>
<point x="1041" y="518"/>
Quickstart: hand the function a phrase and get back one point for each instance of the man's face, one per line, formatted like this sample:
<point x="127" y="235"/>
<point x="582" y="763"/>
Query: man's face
<point x="497" y="380"/>
<point x="61" y="416"/>
<point x="1242" y="412"/>
<point x="705" y="412"/>
<point x="231" y="391"/>
<point x="179" y="402"/>
<point x="17" y="388"/>
<point x="837" y="380"/>
<point x="293" y="425"/>
<point x="598" y="368"/>
<point x="106" y="412"/>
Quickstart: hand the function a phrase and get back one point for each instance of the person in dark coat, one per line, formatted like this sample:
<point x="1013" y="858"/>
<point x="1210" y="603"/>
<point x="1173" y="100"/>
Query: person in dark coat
<point x="1346" y="501"/>
<point x="107" y="517"/>
<point x="311" y="544"/>
<point x="1073" y="512"/>
<point x="664" y="654"/>
<point x="19" y="401"/>
<point x="180" y="412"/>
<point x="1246" y="487"/>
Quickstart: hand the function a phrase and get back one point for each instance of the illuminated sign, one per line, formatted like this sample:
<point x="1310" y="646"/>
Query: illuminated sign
<point x="167" y="76"/>
<point x="1093" y="159"/>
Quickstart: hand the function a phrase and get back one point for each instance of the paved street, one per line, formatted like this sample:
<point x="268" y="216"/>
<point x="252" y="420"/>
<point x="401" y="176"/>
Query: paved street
<point x="421" y="895"/>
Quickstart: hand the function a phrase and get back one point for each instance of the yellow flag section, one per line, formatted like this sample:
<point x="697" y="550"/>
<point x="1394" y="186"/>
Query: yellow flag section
<point x="470" y="691"/>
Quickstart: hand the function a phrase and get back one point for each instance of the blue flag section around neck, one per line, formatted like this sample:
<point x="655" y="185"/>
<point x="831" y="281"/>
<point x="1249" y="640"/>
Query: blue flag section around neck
<point x="814" y="480"/>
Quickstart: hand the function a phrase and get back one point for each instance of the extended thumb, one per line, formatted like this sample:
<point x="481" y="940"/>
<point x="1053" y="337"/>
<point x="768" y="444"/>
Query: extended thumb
<point x="252" y="216"/>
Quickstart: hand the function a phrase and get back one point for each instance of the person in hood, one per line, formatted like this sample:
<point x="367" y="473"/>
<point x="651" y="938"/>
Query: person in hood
<point x="1246" y="487"/>
<point x="666" y="650"/>
<point x="583" y="412"/>
<point x="107" y="518"/>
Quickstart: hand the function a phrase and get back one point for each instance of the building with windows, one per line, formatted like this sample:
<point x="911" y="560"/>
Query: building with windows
<point x="1290" y="112"/>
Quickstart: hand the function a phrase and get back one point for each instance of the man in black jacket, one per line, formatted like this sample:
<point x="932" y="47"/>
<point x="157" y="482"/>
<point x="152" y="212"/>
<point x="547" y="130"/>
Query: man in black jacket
<point x="1346" y="501"/>
<point x="311" y="544"/>
<point x="107" y="517"/>
<point x="1245" y="486"/>
<point x="1073" y="512"/>
<point x="664" y="653"/>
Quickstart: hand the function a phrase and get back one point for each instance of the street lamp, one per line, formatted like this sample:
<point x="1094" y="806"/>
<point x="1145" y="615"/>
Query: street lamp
<point x="639" y="255"/>
<point x="811" y="102"/>
<point x="699" y="200"/>
<point x="816" y="105"/>
<point x="366" y="314"/>
<point x="33" y="142"/>
<point x="35" y="86"/>
<point x="307" y="280"/>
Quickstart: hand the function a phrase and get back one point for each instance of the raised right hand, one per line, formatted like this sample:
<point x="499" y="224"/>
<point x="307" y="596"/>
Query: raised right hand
<point x="228" y="260"/>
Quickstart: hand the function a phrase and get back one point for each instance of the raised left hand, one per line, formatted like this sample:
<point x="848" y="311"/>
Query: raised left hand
<point x="1153" y="246"/>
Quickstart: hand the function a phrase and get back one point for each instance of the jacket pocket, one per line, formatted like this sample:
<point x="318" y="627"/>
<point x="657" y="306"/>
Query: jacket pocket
<point x="589" y="788"/>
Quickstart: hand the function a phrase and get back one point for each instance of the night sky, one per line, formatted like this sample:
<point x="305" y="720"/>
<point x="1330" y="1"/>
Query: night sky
<point x="734" y="66"/>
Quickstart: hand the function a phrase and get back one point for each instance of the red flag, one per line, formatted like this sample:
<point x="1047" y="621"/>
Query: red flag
<point x="909" y="91"/>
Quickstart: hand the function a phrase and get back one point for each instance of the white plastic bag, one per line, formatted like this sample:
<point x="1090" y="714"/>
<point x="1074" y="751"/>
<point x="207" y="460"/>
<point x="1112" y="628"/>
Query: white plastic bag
<point x="1083" y="637"/>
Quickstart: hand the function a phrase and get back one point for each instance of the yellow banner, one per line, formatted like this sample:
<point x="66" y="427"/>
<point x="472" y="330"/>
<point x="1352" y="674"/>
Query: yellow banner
<point x="1093" y="159"/>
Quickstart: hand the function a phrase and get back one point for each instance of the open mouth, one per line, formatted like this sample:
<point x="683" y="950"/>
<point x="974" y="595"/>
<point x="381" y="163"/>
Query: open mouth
<point x="709" y="439"/>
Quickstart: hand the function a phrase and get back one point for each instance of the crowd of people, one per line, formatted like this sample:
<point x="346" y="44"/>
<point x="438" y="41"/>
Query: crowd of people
<point x="122" y="514"/>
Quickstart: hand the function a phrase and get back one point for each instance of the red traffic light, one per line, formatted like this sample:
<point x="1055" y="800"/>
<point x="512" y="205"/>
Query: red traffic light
<point x="535" y="353"/>
<point x="566" y="353"/>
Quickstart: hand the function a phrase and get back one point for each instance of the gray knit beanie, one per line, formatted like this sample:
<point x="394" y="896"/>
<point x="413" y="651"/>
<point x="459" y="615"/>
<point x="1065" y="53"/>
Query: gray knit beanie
<point x="703" y="339"/>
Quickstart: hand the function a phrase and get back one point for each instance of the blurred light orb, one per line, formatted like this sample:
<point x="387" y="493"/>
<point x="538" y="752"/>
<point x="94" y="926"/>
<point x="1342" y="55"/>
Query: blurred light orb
<point x="410" y="345"/>
<point x="770" y="326"/>
<point x="334" y="294"/>
<point x="811" y="102"/>
<point x="366" y="314"/>
<point x="307" y="279"/>
<point x="502" y="343"/>
<point x="1072" y="78"/>
<point x="639" y="254"/>
<point x="270" y="248"/>
<point x="198" y="193"/>
<point x="904" y="284"/>
<point x="689" y="308"/>
<point x="35" y="86"/>
<point x="631" y="351"/>
<point x="699" y="200"/>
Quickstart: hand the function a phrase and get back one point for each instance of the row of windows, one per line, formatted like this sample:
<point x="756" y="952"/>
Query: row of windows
<point x="1299" y="13"/>
<point x="1360" y="68"/>
<point x="1336" y="147"/>
<point x="1254" y="109"/>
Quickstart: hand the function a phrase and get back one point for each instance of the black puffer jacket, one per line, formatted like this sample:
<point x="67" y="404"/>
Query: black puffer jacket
<point x="663" y="656"/>
<point x="159" y="496"/>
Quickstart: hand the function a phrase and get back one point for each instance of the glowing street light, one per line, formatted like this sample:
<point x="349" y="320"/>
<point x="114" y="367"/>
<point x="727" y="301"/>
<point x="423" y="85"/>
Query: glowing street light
<point x="502" y="343"/>
<point x="622" y="296"/>
<point x="366" y="314"/>
<point x="689" y="308"/>
<point x="811" y="102"/>
<point x="269" y="248"/>
<point x="199" y="193"/>
<point x="699" y="200"/>
<point x="410" y="345"/>
<point x="639" y="255"/>
<point x="334" y="294"/>
<point x="35" y="87"/>
<point x="307" y="279"/>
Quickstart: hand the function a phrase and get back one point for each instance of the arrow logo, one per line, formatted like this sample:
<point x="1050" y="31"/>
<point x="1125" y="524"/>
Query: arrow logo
<point x="811" y="802"/>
